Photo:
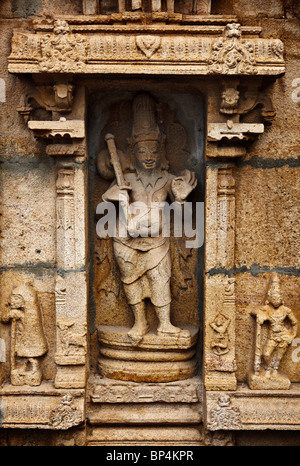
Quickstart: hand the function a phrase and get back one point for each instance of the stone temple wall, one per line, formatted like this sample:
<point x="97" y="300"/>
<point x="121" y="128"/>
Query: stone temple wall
<point x="88" y="353"/>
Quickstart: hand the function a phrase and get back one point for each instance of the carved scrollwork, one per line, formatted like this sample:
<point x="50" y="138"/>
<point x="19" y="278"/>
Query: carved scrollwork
<point x="62" y="51"/>
<point x="225" y="416"/>
<point x="66" y="415"/>
<point x="231" y="54"/>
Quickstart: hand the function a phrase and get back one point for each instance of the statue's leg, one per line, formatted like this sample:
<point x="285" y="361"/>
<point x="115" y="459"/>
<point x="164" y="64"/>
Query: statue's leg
<point x="268" y="354"/>
<point x="140" y="327"/>
<point x="278" y="355"/>
<point x="35" y="365"/>
<point x="164" y="323"/>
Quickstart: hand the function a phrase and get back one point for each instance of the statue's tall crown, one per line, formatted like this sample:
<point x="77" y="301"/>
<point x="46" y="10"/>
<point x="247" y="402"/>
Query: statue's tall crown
<point x="273" y="286"/>
<point x="144" y="119"/>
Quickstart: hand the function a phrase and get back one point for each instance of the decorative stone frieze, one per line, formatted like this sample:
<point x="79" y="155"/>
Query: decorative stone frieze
<point x="180" y="49"/>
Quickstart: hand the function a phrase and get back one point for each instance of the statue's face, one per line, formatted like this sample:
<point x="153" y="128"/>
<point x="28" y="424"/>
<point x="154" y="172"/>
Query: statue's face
<point x="147" y="154"/>
<point x="275" y="298"/>
<point x="16" y="301"/>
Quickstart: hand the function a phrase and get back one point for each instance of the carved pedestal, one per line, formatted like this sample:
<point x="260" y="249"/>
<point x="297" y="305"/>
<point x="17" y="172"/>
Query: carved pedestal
<point x="155" y="359"/>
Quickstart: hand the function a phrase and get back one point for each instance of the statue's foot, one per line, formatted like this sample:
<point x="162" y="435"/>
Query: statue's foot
<point x="268" y="373"/>
<point x="137" y="333"/>
<point x="169" y="329"/>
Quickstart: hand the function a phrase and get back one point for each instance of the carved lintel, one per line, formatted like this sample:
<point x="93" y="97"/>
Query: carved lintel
<point x="40" y="407"/>
<point x="254" y="409"/>
<point x="112" y="391"/>
<point x="162" y="48"/>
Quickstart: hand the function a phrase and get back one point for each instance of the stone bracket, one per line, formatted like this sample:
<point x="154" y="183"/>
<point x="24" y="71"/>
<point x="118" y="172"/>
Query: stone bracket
<point x="233" y="131"/>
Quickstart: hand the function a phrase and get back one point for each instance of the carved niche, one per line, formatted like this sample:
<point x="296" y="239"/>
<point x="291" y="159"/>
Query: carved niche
<point x="149" y="154"/>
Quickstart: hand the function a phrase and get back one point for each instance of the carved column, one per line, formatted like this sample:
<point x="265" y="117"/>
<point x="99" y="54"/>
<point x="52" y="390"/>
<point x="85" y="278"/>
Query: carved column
<point x="66" y="135"/>
<point x="227" y="136"/>
<point x="219" y="349"/>
<point x="71" y="280"/>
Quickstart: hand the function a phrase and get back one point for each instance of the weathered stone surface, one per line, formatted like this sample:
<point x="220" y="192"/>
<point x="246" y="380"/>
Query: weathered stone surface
<point x="267" y="203"/>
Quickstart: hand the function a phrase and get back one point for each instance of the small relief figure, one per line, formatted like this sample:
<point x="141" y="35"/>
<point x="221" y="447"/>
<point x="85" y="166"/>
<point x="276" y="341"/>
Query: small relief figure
<point x="276" y="327"/>
<point x="143" y="252"/>
<point x="28" y="341"/>
<point x="71" y="343"/>
<point x="66" y="415"/>
<point x="220" y="339"/>
<point x="225" y="416"/>
<point x="229" y="100"/>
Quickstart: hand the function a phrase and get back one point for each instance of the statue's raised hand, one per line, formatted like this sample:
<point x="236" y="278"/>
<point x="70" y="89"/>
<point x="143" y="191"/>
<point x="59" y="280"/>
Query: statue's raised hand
<point x="183" y="185"/>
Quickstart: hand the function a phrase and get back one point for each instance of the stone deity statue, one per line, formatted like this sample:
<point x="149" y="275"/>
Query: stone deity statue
<point x="143" y="259"/>
<point x="28" y="341"/>
<point x="281" y="326"/>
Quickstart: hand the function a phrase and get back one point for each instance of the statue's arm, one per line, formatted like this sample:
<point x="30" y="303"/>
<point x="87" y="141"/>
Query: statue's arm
<point x="182" y="186"/>
<point x="8" y="314"/>
<point x="116" y="194"/>
<point x="293" y="321"/>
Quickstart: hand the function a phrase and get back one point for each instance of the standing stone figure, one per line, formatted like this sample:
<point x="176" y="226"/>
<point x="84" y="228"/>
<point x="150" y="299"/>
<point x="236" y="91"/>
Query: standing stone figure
<point x="281" y="330"/>
<point x="143" y="257"/>
<point x="28" y="341"/>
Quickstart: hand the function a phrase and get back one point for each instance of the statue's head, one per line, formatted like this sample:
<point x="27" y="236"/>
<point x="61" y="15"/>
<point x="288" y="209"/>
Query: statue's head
<point x="274" y="296"/>
<point x="146" y="143"/>
<point x="23" y="295"/>
<point x="148" y="154"/>
<point x="16" y="301"/>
